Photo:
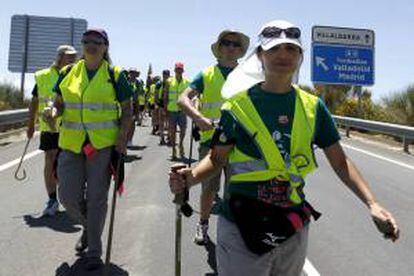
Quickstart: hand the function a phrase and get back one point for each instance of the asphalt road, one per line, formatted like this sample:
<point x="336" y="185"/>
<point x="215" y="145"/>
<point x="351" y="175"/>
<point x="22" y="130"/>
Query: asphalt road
<point x="343" y="242"/>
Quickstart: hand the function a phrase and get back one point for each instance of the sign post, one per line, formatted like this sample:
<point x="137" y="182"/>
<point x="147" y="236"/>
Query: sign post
<point x="34" y="40"/>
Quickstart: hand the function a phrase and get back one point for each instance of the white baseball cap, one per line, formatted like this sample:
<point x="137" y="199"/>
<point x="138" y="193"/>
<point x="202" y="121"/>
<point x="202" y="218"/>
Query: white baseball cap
<point x="250" y="71"/>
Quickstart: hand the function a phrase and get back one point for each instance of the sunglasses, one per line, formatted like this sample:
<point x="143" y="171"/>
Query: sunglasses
<point x="227" y="43"/>
<point x="274" y="32"/>
<point x="91" y="41"/>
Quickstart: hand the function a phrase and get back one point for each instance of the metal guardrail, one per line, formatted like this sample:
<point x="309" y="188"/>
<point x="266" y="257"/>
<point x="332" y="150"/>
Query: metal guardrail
<point x="11" y="117"/>
<point x="406" y="133"/>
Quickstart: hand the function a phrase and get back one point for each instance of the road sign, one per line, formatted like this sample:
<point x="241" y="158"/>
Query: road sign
<point x="342" y="56"/>
<point x="34" y="39"/>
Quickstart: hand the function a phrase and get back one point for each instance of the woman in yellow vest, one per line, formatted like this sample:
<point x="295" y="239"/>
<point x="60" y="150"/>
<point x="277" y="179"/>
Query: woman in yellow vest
<point x="94" y="101"/>
<point x="266" y="133"/>
<point x="230" y="46"/>
<point x="43" y="95"/>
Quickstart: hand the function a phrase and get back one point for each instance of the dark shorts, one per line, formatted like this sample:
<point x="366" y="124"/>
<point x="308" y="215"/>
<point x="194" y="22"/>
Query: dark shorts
<point x="151" y="106"/>
<point x="177" y="118"/>
<point x="141" y="107"/>
<point x="49" y="141"/>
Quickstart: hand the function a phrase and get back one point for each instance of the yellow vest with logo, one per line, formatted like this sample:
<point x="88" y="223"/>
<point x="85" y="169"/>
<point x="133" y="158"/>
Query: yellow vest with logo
<point x="245" y="168"/>
<point x="211" y="99"/>
<point x="174" y="92"/>
<point x="45" y="81"/>
<point x="90" y="108"/>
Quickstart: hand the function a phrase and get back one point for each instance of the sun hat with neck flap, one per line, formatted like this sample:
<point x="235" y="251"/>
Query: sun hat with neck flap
<point x="250" y="71"/>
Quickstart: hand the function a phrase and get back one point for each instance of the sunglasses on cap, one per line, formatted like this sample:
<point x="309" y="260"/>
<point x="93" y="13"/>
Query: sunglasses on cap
<point x="275" y="32"/>
<point x="92" y="41"/>
<point x="226" y="42"/>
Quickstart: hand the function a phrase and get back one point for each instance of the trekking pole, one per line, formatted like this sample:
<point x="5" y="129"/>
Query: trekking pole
<point x="107" y="269"/>
<point x="181" y="207"/>
<point x="16" y="173"/>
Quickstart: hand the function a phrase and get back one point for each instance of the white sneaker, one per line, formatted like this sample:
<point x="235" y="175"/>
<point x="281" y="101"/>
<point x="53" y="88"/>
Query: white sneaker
<point x="52" y="207"/>
<point x="201" y="235"/>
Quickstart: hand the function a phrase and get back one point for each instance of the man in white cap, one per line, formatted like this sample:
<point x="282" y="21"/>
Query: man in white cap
<point x="228" y="48"/>
<point x="266" y="133"/>
<point x="42" y="97"/>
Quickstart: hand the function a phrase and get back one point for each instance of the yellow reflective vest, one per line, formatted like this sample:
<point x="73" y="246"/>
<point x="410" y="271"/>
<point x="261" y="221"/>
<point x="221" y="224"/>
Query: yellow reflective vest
<point x="211" y="100"/>
<point x="151" y="94"/>
<point x="244" y="168"/>
<point x="45" y="81"/>
<point x="91" y="108"/>
<point x="174" y="91"/>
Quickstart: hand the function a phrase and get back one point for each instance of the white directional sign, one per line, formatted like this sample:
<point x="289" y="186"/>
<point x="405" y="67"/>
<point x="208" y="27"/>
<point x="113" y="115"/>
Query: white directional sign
<point x="34" y="39"/>
<point x="342" y="56"/>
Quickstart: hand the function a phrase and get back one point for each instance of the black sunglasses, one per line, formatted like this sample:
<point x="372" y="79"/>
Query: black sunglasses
<point x="271" y="32"/>
<point x="91" y="41"/>
<point x="226" y="42"/>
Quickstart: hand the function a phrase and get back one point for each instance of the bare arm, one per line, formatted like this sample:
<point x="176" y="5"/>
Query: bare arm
<point x="209" y="166"/>
<point x="186" y="103"/>
<point x="126" y="121"/>
<point x="33" y="107"/>
<point x="346" y="170"/>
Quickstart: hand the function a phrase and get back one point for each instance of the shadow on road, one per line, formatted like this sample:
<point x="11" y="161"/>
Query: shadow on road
<point x="211" y="258"/>
<point x="77" y="269"/>
<point x="132" y="158"/>
<point x="61" y="222"/>
<point x="137" y="147"/>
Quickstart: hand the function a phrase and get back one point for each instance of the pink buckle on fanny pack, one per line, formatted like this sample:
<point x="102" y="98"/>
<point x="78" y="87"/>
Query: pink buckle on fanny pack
<point x="296" y="221"/>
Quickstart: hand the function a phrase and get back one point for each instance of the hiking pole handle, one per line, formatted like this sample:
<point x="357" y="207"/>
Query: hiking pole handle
<point x="181" y="199"/>
<point x="19" y="166"/>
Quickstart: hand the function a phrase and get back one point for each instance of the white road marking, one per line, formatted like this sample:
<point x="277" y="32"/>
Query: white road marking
<point x="16" y="161"/>
<point x="309" y="269"/>
<point x="379" y="157"/>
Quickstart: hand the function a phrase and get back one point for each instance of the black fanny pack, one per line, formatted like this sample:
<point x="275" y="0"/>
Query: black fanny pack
<point x="264" y="226"/>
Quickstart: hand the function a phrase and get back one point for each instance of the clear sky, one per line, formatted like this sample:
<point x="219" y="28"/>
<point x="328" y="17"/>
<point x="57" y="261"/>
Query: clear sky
<point x="162" y="32"/>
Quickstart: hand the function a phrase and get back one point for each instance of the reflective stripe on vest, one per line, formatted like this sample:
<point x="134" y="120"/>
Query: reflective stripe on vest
<point x="45" y="81"/>
<point x="93" y="106"/>
<point x="90" y="108"/>
<point x="247" y="169"/>
<point x="211" y="100"/>
<point x="90" y="126"/>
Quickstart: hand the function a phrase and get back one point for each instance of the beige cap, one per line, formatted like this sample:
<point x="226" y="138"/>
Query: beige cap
<point x="66" y="50"/>
<point x="244" y="40"/>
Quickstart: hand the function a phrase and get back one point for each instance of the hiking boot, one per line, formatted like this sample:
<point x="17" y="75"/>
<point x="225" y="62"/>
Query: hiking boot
<point x="181" y="148"/>
<point x="201" y="235"/>
<point x="162" y="142"/>
<point x="52" y="206"/>
<point x="82" y="243"/>
<point x="93" y="263"/>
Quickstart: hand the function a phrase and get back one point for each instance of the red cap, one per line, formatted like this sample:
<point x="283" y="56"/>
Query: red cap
<point x="179" y="65"/>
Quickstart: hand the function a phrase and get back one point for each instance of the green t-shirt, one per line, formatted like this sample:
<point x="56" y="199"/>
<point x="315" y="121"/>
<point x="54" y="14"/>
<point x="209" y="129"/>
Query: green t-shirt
<point x="277" y="113"/>
<point x="198" y="84"/>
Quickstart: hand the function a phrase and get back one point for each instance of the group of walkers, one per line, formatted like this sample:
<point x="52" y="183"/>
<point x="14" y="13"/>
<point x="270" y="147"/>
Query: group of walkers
<point x="258" y="131"/>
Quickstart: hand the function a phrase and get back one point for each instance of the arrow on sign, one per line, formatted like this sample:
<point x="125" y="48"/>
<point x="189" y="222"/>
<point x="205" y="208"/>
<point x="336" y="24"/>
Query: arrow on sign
<point x="320" y="62"/>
